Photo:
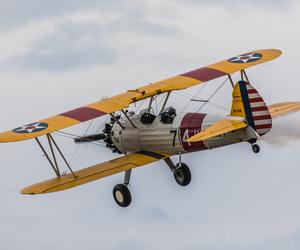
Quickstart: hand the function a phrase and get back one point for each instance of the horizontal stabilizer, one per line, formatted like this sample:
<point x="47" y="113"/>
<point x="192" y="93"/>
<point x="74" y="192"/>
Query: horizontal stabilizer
<point x="95" y="172"/>
<point x="219" y="128"/>
<point x="284" y="108"/>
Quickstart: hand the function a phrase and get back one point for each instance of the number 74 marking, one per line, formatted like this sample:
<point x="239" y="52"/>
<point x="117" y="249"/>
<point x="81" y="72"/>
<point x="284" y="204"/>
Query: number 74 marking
<point x="174" y="138"/>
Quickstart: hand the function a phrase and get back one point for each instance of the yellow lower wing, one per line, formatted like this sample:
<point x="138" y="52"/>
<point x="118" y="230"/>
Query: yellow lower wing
<point x="284" y="108"/>
<point x="219" y="128"/>
<point x="95" y="172"/>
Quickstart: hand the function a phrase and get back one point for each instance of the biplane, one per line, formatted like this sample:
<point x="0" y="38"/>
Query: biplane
<point x="148" y="136"/>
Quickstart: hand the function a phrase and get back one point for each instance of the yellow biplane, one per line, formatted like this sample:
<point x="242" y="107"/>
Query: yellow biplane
<point x="151" y="136"/>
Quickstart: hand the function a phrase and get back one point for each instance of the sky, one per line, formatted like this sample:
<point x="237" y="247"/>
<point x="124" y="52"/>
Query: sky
<point x="59" y="55"/>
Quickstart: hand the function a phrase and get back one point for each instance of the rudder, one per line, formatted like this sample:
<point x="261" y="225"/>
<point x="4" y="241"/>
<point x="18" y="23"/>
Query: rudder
<point x="246" y="102"/>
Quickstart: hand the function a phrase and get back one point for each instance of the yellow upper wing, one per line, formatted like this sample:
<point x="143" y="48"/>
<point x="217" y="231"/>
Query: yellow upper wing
<point x="284" y="108"/>
<point x="95" y="172"/>
<point x="219" y="128"/>
<point x="123" y="100"/>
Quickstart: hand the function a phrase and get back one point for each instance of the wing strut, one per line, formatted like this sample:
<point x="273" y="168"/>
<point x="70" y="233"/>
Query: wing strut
<point x="127" y="117"/>
<point x="166" y="100"/>
<point x="231" y="81"/>
<point x="243" y="74"/>
<point x="54" y="163"/>
<point x="116" y="120"/>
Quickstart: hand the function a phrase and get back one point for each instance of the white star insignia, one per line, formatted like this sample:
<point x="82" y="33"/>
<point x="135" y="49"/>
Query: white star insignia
<point x="30" y="128"/>
<point x="246" y="58"/>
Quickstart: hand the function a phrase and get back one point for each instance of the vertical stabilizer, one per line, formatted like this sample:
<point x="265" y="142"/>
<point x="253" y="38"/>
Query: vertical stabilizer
<point x="246" y="102"/>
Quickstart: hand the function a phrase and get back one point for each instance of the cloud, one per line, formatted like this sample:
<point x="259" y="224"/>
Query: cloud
<point x="83" y="38"/>
<point x="257" y="4"/>
<point x="14" y="13"/>
<point x="68" y="47"/>
<point x="237" y="199"/>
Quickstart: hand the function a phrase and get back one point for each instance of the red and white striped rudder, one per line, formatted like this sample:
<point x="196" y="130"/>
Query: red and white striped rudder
<point x="248" y="103"/>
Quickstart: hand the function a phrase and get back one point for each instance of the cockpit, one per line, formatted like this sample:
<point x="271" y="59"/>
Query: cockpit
<point x="167" y="115"/>
<point x="147" y="116"/>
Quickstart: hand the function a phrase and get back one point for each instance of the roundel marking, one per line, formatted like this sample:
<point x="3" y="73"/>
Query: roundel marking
<point x="246" y="58"/>
<point x="31" y="128"/>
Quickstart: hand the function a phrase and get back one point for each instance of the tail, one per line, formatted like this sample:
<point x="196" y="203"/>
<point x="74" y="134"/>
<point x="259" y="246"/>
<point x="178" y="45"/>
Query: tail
<point x="246" y="102"/>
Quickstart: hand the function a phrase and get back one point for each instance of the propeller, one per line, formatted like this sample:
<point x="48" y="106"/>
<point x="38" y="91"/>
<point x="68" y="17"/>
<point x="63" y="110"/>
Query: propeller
<point x="89" y="138"/>
<point x="105" y="137"/>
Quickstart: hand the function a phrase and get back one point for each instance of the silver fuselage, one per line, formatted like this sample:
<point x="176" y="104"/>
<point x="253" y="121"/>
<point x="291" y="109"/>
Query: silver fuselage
<point x="172" y="138"/>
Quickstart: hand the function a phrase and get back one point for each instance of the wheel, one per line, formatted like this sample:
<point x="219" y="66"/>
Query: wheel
<point x="255" y="148"/>
<point x="182" y="174"/>
<point x="122" y="195"/>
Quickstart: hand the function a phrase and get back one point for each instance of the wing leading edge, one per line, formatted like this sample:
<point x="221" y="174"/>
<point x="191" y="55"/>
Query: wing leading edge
<point x="284" y="108"/>
<point x="218" y="128"/>
<point x="95" y="172"/>
<point x="123" y="100"/>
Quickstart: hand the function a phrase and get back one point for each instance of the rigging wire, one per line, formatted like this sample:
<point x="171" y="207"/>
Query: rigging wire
<point x="219" y="106"/>
<point x="140" y="106"/>
<point x="87" y="145"/>
<point x="156" y="109"/>
<point x="71" y="136"/>
<point x="194" y="96"/>
<point x="212" y="95"/>
<point x="161" y="100"/>
<point x="77" y="146"/>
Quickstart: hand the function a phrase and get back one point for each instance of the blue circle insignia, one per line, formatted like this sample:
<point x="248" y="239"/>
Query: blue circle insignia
<point x="31" y="128"/>
<point x="246" y="58"/>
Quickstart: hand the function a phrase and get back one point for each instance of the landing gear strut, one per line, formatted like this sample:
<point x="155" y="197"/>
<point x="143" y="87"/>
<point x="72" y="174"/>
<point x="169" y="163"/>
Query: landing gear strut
<point x="121" y="191"/>
<point x="181" y="172"/>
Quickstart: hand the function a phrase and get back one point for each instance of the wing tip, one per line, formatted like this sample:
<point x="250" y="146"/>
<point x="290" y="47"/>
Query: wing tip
<point x="275" y="52"/>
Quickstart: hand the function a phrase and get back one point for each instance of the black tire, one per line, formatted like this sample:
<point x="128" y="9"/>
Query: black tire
<point x="122" y="195"/>
<point x="255" y="148"/>
<point x="182" y="174"/>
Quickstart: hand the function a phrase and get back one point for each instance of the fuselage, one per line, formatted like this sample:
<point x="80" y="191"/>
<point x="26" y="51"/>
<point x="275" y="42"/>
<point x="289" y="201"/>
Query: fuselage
<point x="172" y="138"/>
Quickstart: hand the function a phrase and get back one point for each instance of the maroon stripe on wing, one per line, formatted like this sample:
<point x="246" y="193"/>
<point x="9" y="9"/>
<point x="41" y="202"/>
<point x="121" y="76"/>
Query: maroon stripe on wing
<point x="204" y="74"/>
<point x="83" y="114"/>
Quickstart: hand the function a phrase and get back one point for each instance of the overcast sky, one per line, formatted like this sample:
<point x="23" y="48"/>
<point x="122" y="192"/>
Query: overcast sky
<point x="58" y="55"/>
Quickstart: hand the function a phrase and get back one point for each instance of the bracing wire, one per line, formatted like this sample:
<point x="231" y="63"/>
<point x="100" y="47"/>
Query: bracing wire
<point x="156" y="109"/>
<point x="72" y="136"/>
<point x="87" y="145"/>
<point x="219" y="106"/>
<point x="140" y="106"/>
<point x="194" y="96"/>
<point x="212" y="95"/>
<point x="77" y="146"/>
<point x="161" y="100"/>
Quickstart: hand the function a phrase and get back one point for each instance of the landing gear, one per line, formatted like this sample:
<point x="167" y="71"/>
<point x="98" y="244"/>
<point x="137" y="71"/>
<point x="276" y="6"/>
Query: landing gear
<point x="255" y="148"/>
<point x="122" y="195"/>
<point x="121" y="192"/>
<point x="181" y="172"/>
